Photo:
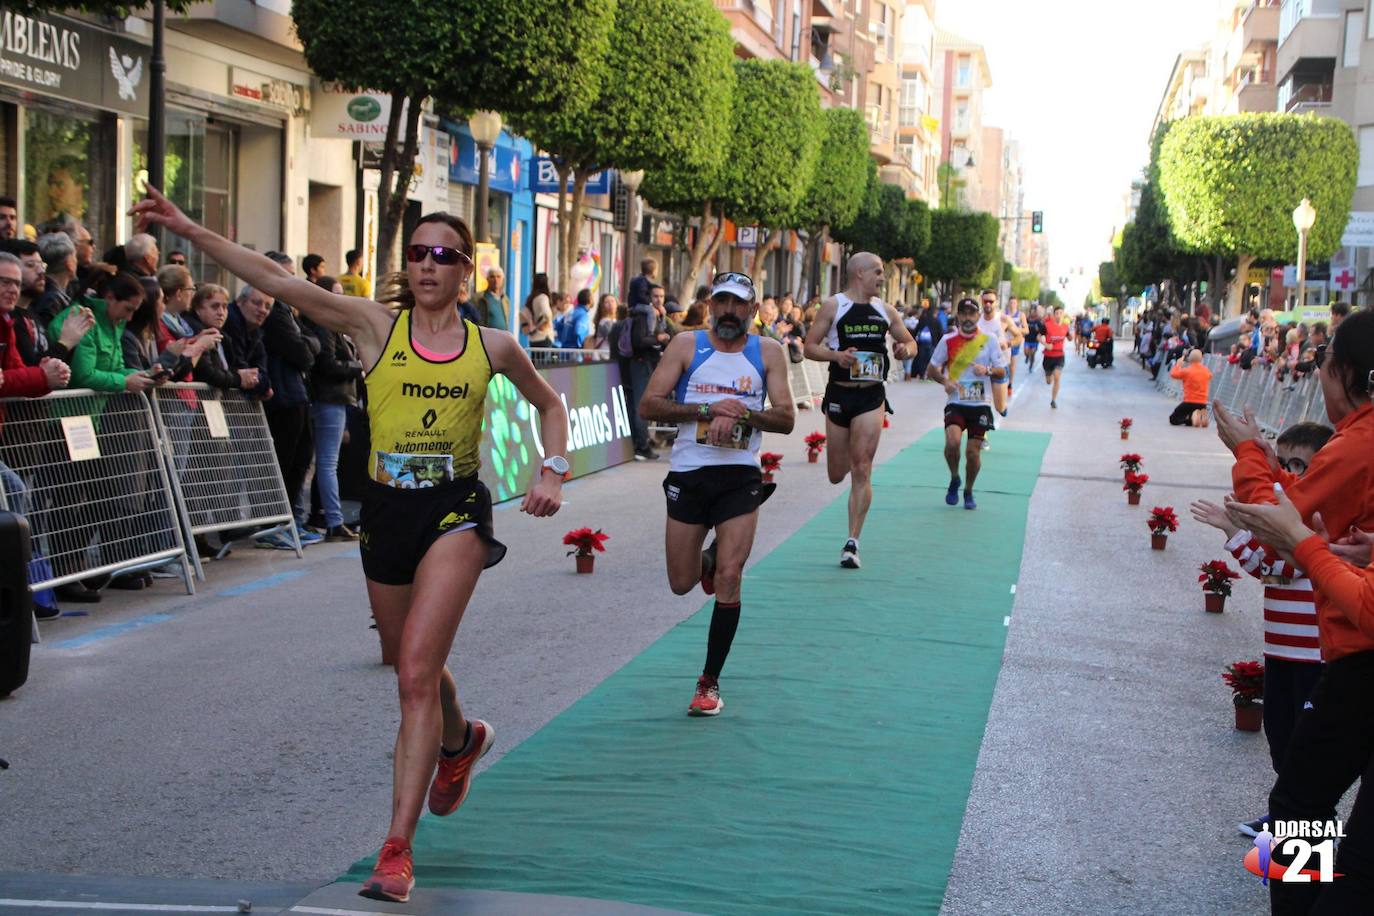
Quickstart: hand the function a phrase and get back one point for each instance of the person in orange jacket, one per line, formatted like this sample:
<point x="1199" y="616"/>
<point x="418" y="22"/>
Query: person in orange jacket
<point x="1197" y="381"/>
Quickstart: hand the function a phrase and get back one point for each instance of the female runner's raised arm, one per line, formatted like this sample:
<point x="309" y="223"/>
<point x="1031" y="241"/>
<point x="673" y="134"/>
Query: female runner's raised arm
<point x="366" y="321"/>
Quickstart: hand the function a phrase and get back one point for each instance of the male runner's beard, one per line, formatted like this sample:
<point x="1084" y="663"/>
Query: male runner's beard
<point x="968" y="327"/>
<point x="727" y="327"/>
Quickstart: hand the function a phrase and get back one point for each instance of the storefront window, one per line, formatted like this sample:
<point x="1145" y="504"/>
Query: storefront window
<point x="198" y="174"/>
<point x="64" y="173"/>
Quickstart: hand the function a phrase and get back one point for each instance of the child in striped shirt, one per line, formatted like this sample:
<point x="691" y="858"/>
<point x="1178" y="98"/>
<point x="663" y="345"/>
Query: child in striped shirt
<point x="1292" y="652"/>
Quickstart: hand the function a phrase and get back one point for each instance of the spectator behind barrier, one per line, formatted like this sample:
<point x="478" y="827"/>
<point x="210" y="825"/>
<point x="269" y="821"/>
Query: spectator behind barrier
<point x="59" y="259"/>
<point x="18" y="380"/>
<point x="142" y="255"/>
<point x="98" y="360"/>
<point x="243" y="346"/>
<point x="28" y="334"/>
<point x="9" y="218"/>
<point x="209" y="311"/>
<point x="334" y="379"/>
<point x="576" y="325"/>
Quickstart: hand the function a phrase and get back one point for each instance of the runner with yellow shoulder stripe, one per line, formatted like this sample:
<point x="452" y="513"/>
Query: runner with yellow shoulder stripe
<point x="427" y="522"/>
<point x="967" y="362"/>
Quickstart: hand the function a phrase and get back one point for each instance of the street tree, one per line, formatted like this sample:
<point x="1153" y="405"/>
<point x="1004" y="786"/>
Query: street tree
<point x="646" y="115"/>
<point x="112" y="8"/>
<point x="466" y="55"/>
<point x="1025" y="284"/>
<point x="1230" y="183"/>
<point x="963" y="244"/>
<point x="839" y="183"/>
<point x="774" y="137"/>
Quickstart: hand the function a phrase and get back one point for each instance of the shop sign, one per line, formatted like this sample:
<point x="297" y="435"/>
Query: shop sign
<point x="503" y="164"/>
<point x="545" y="179"/>
<point x="747" y="237"/>
<point x="1359" y="231"/>
<point x="71" y="60"/>
<point x="268" y="91"/>
<point x="342" y="113"/>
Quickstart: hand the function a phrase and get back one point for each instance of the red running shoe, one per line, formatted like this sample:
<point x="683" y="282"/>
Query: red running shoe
<point x="451" y="780"/>
<point x="706" y="701"/>
<point x="394" y="875"/>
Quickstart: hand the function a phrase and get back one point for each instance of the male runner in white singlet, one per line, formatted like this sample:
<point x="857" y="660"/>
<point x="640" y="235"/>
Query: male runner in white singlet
<point x="712" y="384"/>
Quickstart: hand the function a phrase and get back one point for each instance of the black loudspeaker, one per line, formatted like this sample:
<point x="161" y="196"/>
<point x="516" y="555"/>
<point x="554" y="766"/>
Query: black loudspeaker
<point x="16" y="604"/>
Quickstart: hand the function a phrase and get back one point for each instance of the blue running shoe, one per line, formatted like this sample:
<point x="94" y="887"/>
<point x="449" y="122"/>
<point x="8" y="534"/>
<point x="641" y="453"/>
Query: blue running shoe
<point x="308" y="537"/>
<point x="968" y="500"/>
<point x="952" y="496"/>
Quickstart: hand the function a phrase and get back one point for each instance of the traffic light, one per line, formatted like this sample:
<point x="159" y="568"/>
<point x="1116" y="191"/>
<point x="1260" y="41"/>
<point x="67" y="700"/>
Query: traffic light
<point x="1037" y="221"/>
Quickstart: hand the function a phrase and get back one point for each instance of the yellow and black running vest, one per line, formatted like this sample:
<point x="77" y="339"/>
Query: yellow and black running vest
<point x="426" y="416"/>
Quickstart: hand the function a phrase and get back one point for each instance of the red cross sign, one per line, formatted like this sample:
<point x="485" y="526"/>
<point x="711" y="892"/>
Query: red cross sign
<point x="1345" y="280"/>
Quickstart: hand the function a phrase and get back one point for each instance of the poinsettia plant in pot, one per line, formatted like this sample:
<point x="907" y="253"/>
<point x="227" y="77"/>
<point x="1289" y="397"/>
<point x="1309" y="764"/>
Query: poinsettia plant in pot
<point x="1162" y="520"/>
<point x="1126" y="423"/>
<point x="769" y="462"/>
<point x="583" y="542"/>
<point x="1216" y="583"/>
<point x="1246" y="680"/>
<point x="1133" y="485"/>
<point x="814" y="443"/>
<point x="1131" y="462"/>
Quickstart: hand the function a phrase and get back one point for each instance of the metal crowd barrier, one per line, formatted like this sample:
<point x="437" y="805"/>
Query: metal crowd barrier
<point x="543" y="357"/>
<point x="1278" y="403"/>
<point x="86" y="469"/>
<point x="221" y="462"/>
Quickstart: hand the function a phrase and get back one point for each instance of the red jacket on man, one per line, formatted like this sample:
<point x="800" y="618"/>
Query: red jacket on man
<point x="20" y="381"/>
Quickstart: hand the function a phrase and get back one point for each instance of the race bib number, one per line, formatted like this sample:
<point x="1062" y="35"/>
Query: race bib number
<point x="867" y="368"/>
<point x="739" y="436"/>
<point x="413" y="472"/>
<point x="973" y="391"/>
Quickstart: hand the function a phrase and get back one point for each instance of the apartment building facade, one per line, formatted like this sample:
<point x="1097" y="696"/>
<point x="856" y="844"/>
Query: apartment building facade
<point x="962" y="75"/>
<point x="918" y="118"/>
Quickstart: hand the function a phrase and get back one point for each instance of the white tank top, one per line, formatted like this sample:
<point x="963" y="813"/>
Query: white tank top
<point x="715" y="376"/>
<point x="991" y="326"/>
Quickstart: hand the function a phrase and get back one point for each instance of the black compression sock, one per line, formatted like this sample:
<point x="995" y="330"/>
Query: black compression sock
<point x="467" y="738"/>
<point x="724" y="622"/>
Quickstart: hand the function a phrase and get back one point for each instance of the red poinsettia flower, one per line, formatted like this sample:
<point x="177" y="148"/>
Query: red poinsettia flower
<point x="1131" y="462"/>
<point x="770" y="461"/>
<point x="1216" y="577"/>
<point x="1162" y="520"/>
<point x="1126" y="422"/>
<point x="815" y="441"/>
<point x="584" y="541"/>
<point x="1246" y="680"/>
<point x="1135" y="481"/>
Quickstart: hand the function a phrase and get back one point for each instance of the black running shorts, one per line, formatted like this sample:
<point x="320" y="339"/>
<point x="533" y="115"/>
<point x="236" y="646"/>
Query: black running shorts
<point x="975" y="418"/>
<point x="399" y="526"/>
<point x="843" y="403"/>
<point x="709" y="496"/>
<point x="1052" y="363"/>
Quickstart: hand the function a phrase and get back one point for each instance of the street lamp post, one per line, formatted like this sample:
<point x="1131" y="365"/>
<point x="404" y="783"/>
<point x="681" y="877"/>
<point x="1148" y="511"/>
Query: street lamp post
<point x="485" y="127"/>
<point x="157" y="107"/>
<point x="1304" y="215"/>
<point x="631" y="180"/>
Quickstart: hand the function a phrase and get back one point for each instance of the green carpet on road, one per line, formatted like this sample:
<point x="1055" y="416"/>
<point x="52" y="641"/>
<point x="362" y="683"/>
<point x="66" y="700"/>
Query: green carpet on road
<point x="835" y="780"/>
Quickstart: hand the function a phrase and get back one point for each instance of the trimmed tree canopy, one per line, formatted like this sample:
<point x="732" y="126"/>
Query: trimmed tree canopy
<point x="115" y="8"/>
<point x="962" y="245"/>
<point x="894" y="227"/>
<point x="647" y="115"/>
<point x="1230" y="183"/>
<point x="839" y="184"/>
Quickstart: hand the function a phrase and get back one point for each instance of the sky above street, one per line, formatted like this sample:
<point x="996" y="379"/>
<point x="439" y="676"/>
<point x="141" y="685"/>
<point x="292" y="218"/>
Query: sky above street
<point x="1078" y="82"/>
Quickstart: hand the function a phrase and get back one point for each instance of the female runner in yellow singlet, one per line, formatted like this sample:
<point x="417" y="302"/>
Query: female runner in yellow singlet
<point x="427" y="523"/>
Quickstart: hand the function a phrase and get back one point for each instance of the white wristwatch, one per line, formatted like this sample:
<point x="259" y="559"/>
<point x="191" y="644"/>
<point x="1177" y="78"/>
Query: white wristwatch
<point x="558" y="464"/>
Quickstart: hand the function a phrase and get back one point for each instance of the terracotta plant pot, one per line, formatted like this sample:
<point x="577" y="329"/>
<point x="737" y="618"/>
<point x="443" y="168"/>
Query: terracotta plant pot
<point x="1125" y="434"/>
<point x="1158" y="541"/>
<point x="586" y="563"/>
<point x="1133" y="498"/>
<point x="812" y="457"/>
<point x="1249" y="718"/>
<point x="1214" y="603"/>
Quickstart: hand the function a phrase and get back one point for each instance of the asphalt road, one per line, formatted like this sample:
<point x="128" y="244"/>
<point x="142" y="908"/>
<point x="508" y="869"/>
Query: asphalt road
<point x="248" y="735"/>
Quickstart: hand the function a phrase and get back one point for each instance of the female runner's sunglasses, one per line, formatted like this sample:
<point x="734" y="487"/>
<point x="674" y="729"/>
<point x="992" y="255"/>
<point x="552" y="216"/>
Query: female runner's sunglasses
<point x="442" y="254"/>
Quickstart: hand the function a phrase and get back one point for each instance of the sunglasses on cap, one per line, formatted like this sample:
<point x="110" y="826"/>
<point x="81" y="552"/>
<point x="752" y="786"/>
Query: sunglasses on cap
<point x="735" y="277"/>
<point x="442" y="254"/>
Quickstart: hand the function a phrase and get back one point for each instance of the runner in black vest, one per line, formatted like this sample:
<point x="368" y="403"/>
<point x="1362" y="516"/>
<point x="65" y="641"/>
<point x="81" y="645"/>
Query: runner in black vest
<point x="850" y="332"/>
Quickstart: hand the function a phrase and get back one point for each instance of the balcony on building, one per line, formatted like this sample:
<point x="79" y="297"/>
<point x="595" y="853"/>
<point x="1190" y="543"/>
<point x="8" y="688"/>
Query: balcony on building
<point x="1309" y="30"/>
<point x="1307" y="88"/>
<point x="751" y="25"/>
<point x="1258" y="27"/>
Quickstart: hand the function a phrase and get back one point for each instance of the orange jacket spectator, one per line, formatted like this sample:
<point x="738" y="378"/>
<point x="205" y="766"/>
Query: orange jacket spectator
<point x="1197" y="381"/>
